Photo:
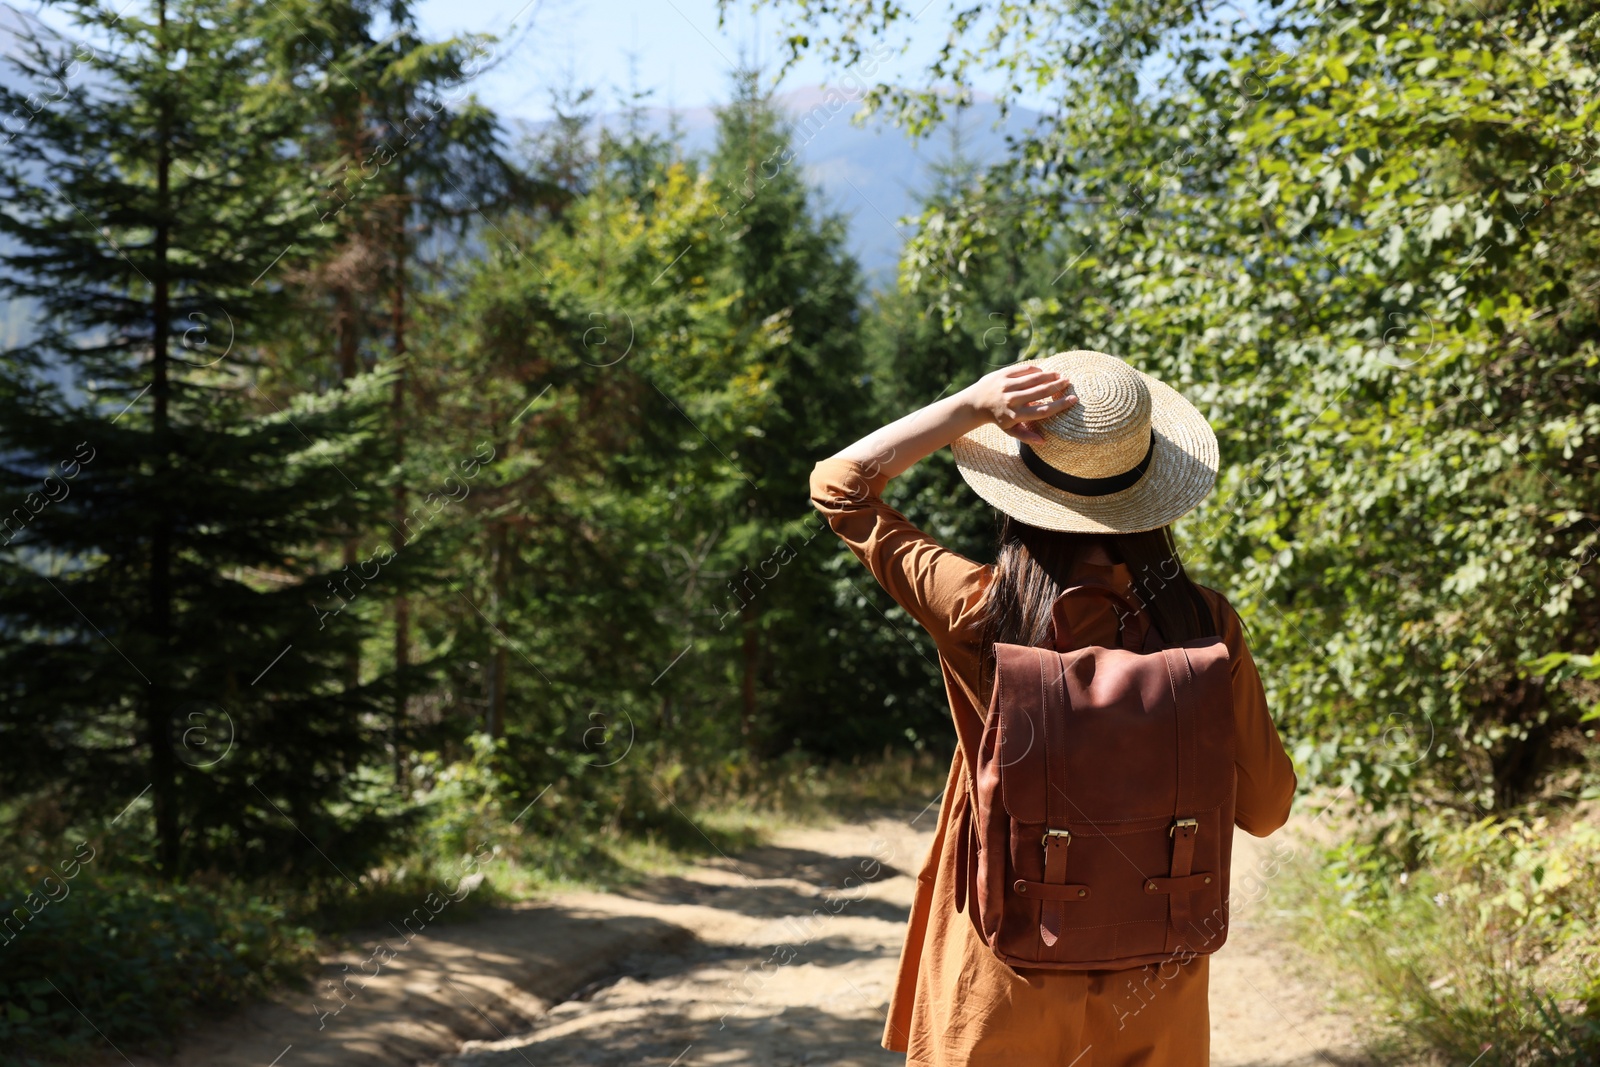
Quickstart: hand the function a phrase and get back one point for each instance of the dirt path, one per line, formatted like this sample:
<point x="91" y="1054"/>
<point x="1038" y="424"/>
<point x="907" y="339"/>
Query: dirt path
<point x="782" y="955"/>
<point x="1268" y="1006"/>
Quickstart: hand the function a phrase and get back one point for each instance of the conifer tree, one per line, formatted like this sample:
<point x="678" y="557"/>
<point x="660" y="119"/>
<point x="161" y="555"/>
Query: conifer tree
<point x="787" y="266"/>
<point x="412" y="163"/>
<point x="167" y="630"/>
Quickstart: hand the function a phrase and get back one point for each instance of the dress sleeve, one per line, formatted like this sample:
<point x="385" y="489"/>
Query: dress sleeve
<point x="940" y="588"/>
<point x="1265" y="775"/>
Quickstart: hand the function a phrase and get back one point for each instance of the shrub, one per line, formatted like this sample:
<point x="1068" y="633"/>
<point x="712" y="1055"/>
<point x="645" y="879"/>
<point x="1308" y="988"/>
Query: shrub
<point x="1477" y="943"/>
<point x="139" y="959"/>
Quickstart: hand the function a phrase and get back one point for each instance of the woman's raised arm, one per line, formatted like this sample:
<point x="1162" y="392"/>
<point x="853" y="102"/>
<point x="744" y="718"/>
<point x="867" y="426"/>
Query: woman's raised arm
<point x="1010" y="397"/>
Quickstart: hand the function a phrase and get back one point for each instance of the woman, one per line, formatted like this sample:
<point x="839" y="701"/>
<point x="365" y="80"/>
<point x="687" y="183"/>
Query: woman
<point x="1089" y="462"/>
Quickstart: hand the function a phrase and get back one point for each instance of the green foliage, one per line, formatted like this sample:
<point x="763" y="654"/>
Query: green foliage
<point x="140" y="958"/>
<point x="1486" y="944"/>
<point x="654" y="365"/>
<point x="160" y="581"/>
<point x="378" y="510"/>
<point x="1359" y="236"/>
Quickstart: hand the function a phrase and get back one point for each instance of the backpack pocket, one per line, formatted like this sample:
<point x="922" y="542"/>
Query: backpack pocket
<point x="1120" y="901"/>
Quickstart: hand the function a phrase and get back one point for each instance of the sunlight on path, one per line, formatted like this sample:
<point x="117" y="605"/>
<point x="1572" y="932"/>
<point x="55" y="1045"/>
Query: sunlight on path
<point x="733" y="999"/>
<point x="1267" y="1009"/>
<point x="782" y="955"/>
<point x="795" y="954"/>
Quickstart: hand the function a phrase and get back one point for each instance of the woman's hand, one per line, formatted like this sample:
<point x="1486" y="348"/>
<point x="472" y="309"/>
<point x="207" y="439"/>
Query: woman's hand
<point x="1014" y="396"/>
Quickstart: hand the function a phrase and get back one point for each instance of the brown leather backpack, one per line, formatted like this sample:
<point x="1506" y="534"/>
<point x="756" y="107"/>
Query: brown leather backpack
<point x="1099" y="816"/>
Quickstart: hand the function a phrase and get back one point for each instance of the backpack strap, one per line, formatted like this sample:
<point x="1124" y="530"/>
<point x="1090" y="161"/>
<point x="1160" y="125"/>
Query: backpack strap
<point x="1134" y="630"/>
<point x="1184" y="826"/>
<point x="963" y="828"/>
<point x="1057" y="836"/>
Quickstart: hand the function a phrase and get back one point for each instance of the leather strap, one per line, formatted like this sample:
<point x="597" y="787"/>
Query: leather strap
<point x="1049" y="891"/>
<point x="1055" y="859"/>
<point x="1134" y="629"/>
<point x="1183" y="849"/>
<point x="963" y="851"/>
<point x="1185" y="885"/>
<point x="1053" y="678"/>
<point x="1053" y="682"/>
<point x="1181" y="675"/>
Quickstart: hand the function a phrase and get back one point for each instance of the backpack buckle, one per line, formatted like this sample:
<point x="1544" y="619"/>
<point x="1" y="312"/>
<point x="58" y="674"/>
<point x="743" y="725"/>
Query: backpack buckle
<point x="1178" y="824"/>
<point x="1048" y="834"/>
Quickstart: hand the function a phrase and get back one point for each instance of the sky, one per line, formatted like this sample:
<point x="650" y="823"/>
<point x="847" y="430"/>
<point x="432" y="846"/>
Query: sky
<point x="677" y="55"/>
<point x="670" y="48"/>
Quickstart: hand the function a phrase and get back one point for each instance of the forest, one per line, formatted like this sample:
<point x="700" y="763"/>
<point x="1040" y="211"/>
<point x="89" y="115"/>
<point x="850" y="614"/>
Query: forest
<point x="384" y="490"/>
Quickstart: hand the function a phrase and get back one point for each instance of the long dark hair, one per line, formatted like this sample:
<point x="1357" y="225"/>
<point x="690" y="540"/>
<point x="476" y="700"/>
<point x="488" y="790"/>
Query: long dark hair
<point x="1033" y="566"/>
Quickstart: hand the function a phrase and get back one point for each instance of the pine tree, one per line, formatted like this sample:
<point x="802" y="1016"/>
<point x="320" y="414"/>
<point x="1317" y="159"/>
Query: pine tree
<point x="167" y="630"/>
<point x="789" y="602"/>
<point x="413" y="164"/>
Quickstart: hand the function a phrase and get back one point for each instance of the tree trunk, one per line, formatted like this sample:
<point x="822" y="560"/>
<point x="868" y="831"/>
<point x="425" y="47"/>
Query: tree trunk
<point x="402" y="603"/>
<point x="495" y="717"/>
<point x="352" y="662"/>
<point x="752" y="662"/>
<point x="1520" y="763"/>
<point x="347" y="334"/>
<point x="499" y="658"/>
<point x="347" y="346"/>
<point x="347" y="371"/>
<point x="158" y="706"/>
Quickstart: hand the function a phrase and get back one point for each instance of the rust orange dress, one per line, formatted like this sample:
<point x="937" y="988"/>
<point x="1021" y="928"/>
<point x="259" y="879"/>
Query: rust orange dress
<point x="955" y="1002"/>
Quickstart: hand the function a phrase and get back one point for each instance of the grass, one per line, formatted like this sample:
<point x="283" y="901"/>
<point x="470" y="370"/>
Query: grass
<point x="1465" y="942"/>
<point x="632" y="846"/>
<point x="146" y="956"/>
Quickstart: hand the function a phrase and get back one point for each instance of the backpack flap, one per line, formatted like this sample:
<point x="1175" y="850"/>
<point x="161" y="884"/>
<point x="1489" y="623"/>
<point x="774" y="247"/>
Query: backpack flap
<point x="1114" y="712"/>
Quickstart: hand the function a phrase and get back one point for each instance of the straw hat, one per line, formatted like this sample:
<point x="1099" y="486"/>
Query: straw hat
<point x="1131" y="455"/>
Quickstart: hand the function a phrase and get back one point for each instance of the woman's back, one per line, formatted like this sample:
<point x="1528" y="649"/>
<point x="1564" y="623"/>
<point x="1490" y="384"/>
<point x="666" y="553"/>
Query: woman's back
<point x="955" y="1001"/>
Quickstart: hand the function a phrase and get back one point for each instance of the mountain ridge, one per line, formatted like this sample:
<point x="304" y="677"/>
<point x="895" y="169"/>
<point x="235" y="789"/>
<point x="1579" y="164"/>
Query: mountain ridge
<point x="871" y="173"/>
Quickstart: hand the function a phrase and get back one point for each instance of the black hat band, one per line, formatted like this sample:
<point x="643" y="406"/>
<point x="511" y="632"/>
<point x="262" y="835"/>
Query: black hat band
<point x="1071" y="483"/>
